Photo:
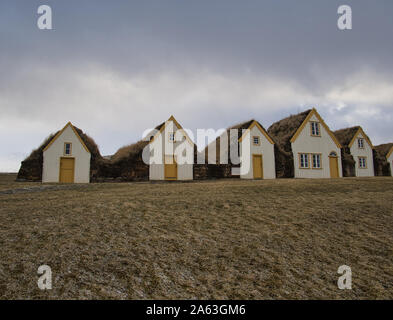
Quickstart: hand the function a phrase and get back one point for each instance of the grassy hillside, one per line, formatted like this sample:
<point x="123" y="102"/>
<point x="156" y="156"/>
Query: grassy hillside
<point x="226" y="239"/>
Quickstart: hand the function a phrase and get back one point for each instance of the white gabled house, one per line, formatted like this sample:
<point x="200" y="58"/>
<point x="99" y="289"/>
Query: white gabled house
<point x="357" y="144"/>
<point x="256" y="151"/>
<point x="315" y="150"/>
<point x="247" y="149"/>
<point x="66" y="158"/>
<point x="171" y="152"/>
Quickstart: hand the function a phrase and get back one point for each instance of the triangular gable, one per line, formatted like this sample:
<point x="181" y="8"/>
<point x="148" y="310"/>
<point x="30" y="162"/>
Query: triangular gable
<point x="172" y="118"/>
<point x="253" y="124"/>
<point x="69" y="124"/>
<point x="360" y="131"/>
<point x="300" y="129"/>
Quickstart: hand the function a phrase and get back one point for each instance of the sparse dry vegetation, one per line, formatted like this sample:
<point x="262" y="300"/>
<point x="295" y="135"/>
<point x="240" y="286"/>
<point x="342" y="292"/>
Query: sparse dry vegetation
<point x="134" y="149"/>
<point x="224" y="239"/>
<point x="282" y="131"/>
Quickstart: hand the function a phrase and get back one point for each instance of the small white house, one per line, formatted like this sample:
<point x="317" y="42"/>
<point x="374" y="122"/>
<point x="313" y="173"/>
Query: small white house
<point x="247" y="149"/>
<point x="172" y="152"/>
<point x="316" y="151"/>
<point x="356" y="143"/>
<point x="66" y="158"/>
<point x="256" y="153"/>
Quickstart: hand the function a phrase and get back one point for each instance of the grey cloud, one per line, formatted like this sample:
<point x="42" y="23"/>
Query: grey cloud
<point x="116" y="68"/>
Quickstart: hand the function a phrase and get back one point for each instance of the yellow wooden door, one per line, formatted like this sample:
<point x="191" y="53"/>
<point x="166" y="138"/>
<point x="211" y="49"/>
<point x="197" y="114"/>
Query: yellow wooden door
<point x="170" y="168"/>
<point x="67" y="169"/>
<point x="333" y="164"/>
<point x="257" y="166"/>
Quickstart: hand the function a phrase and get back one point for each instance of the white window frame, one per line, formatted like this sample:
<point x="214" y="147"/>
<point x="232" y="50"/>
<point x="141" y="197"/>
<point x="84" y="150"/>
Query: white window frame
<point x="361" y="143"/>
<point x="362" y="162"/>
<point x="303" y="160"/>
<point x="315" y="129"/>
<point x="171" y="137"/>
<point x="65" y="149"/>
<point x="318" y="157"/>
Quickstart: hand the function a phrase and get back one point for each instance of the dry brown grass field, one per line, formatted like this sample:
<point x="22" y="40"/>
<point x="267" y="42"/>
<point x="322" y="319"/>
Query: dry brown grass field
<point x="225" y="239"/>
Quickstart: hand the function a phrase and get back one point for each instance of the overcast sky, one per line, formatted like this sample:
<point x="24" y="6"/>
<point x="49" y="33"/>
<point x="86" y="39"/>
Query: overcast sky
<point x="117" y="68"/>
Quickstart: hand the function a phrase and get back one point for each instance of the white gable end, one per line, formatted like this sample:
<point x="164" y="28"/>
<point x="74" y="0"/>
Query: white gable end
<point x="365" y="152"/>
<point x="248" y="149"/>
<point x="322" y="144"/>
<point x="53" y="154"/>
<point x="165" y="147"/>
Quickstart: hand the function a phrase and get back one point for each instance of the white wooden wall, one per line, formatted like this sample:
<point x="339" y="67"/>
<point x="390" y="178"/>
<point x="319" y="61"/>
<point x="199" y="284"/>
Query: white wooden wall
<point x="265" y="148"/>
<point x="324" y="144"/>
<point x="52" y="155"/>
<point x="157" y="171"/>
<point x="366" y="152"/>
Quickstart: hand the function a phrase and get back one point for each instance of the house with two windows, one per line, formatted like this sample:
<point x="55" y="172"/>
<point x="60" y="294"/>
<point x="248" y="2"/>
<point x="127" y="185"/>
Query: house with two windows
<point x="357" y="146"/>
<point x="313" y="150"/>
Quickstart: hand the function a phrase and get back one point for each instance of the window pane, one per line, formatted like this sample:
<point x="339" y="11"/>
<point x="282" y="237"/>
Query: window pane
<point x="67" y="148"/>
<point x="315" y="128"/>
<point x="316" y="161"/>
<point x="362" y="162"/>
<point x="304" y="160"/>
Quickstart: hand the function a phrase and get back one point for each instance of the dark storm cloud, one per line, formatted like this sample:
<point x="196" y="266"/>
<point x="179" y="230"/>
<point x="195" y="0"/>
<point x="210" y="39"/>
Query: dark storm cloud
<point x="116" y="68"/>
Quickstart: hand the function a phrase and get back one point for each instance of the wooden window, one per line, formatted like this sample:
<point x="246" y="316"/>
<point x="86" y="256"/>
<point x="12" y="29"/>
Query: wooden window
<point x="172" y="137"/>
<point x="315" y="129"/>
<point x="316" y="161"/>
<point x="256" y="141"/>
<point x="303" y="159"/>
<point x="362" y="163"/>
<point x="67" y="148"/>
<point x="361" y="143"/>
